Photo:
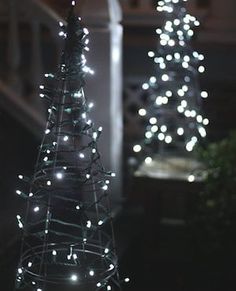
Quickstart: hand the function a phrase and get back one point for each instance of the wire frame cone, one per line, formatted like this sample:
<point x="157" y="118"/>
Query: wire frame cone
<point x="68" y="237"/>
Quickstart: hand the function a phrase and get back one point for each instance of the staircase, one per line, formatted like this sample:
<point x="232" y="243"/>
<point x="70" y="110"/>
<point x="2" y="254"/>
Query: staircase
<point x="29" y="40"/>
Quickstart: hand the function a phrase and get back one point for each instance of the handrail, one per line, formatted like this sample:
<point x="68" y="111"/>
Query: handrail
<point x="27" y="109"/>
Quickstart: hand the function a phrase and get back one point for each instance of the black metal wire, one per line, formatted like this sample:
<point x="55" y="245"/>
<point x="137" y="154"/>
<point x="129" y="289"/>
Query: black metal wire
<point x="66" y="237"/>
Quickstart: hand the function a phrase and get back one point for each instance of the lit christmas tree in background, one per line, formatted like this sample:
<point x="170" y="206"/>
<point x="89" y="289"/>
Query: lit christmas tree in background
<point x="174" y="123"/>
<point x="68" y="239"/>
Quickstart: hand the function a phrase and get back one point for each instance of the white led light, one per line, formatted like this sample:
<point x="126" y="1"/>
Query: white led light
<point x="180" y="109"/>
<point x="204" y="94"/>
<point x="36" y="209"/>
<point x="187" y="113"/>
<point x="99" y="284"/>
<point x="148" y="160"/>
<point x="54" y="252"/>
<point x="177" y="56"/>
<point x="190" y="32"/>
<point x="199" y="118"/>
<point x="176" y="22"/>
<point x="66" y="138"/>
<point x="105" y="187"/>
<point x="30" y="264"/>
<point x="20" y="177"/>
<point x="153" y="79"/>
<point x="91" y="105"/>
<point x="47" y="131"/>
<point x="49" y="183"/>
<point x="168" y="139"/>
<point x="201" y="69"/>
<point x="145" y="86"/>
<point x="154" y="128"/>
<point x="163" y="128"/>
<point x="74" y="278"/>
<point x="169" y="93"/>
<point x="81" y="155"/>
<point x="169" y="57"/>
<point x="18" y="192"/>
<point x="95" y="135"/>
<point x="108" y="288"/>
<point x="59" y="176"/>
<point x="148" y="134"/>
<point x="202" y="131"/>
<point x="201" y="57"/>
<point x="189" y="146"/>
<point x="142" y="112"/>
<point x="137" y="148"/>
<point x="165" y="100"/>
<point x="153" y="120"/>
<point x="185" y="65"/>
<point x="205" y="121"/>
<point x="20" y="271"/>
<point x="86" y="31"/>
<point x="171" y="42"/>
<point x="91" y="273"/>
<point x="180" y="92"/>
<point x="165" y="77"/>
<point x="180" y="131"/>
<point x="161" y="136"/>
<point x="184" y="103"/>
<point x="151" y="54"/>
<point x="191" y="178"/>
<point x="159" y="100"/>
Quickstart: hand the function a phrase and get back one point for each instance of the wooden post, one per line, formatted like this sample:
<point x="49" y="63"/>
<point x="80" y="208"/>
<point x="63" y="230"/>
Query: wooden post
<point x="102" y="18"/>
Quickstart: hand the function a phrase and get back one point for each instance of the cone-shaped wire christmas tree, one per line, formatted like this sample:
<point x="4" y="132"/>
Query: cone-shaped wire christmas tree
<point x="174" y="123"/>
<point x="68" y="240"/>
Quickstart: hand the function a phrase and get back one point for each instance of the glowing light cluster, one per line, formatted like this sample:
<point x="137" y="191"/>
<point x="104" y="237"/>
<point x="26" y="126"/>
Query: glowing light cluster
<point x="68" y="209"/>
<point x="176" y="110"/>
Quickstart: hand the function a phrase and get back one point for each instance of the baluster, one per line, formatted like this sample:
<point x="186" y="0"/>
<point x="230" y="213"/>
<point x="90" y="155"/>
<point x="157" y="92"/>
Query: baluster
<point x="36" y="60"/>
<point x="36" y="64"/>
<point x="145" y="4"/>
<point x="14" y="47"/>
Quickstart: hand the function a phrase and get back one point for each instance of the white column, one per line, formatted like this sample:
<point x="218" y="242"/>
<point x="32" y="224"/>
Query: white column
<point x="102" y="18"/>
